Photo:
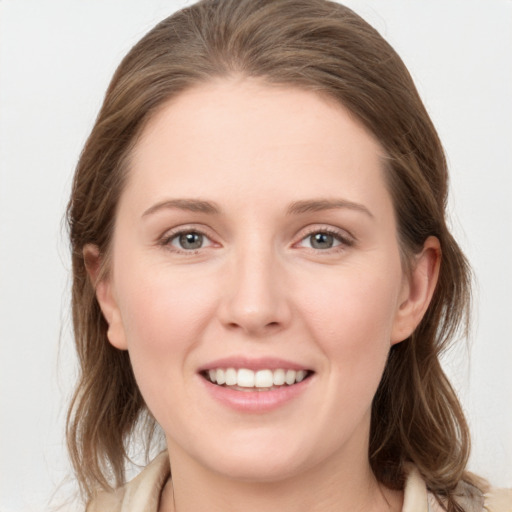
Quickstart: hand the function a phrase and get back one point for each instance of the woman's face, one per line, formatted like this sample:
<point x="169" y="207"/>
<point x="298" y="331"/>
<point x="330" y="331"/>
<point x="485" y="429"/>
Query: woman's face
<point x="255" y="241"/>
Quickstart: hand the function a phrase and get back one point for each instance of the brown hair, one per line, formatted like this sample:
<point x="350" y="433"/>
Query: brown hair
<point x="319" y="46"/>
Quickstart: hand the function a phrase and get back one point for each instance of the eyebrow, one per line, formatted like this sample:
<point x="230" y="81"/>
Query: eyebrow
<point x="191" y="205"/>
<point x="296" y="208"/>
<point x="317" y="205"/>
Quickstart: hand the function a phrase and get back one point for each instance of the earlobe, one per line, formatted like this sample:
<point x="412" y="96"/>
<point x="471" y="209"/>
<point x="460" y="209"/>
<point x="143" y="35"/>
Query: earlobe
<point x="105" y="297"/>
<point x="417" y="290"/>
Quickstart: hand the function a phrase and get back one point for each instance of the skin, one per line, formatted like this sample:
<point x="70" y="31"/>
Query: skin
<point x="258" y="288"/>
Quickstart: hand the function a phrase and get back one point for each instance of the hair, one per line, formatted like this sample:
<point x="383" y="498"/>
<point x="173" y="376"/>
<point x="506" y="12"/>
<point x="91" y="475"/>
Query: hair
<point x="319" y="46"/>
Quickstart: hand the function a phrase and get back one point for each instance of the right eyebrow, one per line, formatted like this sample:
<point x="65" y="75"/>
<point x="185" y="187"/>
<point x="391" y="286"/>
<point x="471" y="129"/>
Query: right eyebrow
<point x="317" y="205"/>
<point x="191" y="205"/>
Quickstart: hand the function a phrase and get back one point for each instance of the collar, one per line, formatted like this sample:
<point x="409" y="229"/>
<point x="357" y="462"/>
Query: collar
<point x="142" y="494"/>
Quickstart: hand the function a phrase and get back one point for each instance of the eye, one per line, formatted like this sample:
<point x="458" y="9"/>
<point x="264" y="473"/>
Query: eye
<point x="323" y="240"/>
<point x="189" y="241"/>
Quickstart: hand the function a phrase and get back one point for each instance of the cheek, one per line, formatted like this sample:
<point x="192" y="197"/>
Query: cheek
<point x="163" y="315"/>
<point x="351" y="317"/>
<point x="160" y="304"/>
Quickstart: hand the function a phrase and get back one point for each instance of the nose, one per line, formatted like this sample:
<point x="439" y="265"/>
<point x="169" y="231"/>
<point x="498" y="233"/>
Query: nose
<point x="254" y="299"/>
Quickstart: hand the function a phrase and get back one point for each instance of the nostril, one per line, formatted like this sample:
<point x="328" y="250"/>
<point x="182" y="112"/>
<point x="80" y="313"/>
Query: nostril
<point x="235" y="325"/>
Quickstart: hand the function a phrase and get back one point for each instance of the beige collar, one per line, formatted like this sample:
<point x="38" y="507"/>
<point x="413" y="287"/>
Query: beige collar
<point x="142" y="494"/>
<point x="415" y="492"/>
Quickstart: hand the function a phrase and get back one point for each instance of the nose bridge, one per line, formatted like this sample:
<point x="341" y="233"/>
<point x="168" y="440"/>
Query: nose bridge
<point x="255" y="301"/>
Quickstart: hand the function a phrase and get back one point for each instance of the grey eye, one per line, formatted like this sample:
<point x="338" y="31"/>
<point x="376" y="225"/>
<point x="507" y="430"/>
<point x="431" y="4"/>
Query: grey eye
<point x="189" y="241"/>
<point x="322" y="241"/>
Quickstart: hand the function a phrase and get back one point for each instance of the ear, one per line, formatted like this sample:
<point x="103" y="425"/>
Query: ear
<point x="105" y="296"/>
<point x="417" y="290"/>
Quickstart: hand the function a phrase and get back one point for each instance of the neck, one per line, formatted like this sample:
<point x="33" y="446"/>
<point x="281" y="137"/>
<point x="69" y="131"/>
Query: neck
<point x="328" y="487"/>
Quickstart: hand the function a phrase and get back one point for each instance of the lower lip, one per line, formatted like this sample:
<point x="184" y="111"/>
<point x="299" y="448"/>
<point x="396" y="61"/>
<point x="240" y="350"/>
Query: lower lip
<point x="256" y="401"/>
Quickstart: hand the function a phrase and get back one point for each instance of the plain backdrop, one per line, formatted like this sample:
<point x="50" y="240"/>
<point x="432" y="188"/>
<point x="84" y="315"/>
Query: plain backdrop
<point x="56" y="59"/>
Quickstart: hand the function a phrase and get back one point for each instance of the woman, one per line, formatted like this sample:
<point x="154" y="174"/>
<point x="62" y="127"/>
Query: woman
<point x="262" y="267"/>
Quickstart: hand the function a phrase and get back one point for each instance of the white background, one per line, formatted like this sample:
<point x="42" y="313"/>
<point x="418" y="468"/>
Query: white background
<point x="56" y="58"/>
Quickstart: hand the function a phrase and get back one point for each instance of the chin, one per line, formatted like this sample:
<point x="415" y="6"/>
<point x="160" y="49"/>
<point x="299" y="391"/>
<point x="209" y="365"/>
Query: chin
<point x="259" y="459"/>
<point x="258" y="469"/>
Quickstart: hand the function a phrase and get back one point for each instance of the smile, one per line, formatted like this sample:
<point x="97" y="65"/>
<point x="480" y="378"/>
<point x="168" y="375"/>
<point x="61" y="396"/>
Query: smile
<point x="244" y="379"/>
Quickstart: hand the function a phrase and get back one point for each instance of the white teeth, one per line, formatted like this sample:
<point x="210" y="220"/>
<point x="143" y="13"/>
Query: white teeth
<point x="301" y="374"/>
<point x="231" y="377"/>
<point x="279" y="377"/>
<point x="264" y="379"/>
<point x="221" y="377"/>
<point x="290" y="377"/>
<point x="245" y="378"/>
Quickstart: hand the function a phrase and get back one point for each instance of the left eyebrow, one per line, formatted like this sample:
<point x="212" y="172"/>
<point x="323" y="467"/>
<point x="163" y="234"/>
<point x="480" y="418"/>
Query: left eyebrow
<point x="317" y="205"/>
<point x="191" y="205"/>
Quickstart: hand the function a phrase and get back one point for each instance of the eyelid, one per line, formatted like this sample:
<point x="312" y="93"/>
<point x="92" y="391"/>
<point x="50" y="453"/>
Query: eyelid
<point x="345" y="238"/>
<point x="170" y="234"/>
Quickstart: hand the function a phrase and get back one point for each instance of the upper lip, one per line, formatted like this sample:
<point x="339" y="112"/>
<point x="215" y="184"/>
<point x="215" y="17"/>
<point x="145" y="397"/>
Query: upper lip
<point x="260" y="363"/>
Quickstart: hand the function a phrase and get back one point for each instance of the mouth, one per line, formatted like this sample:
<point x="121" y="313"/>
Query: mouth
<point x="244" y="379"/>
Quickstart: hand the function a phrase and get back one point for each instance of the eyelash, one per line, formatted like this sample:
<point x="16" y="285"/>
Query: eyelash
<point x="168" y="237"/>
<point x="344" y="240"/>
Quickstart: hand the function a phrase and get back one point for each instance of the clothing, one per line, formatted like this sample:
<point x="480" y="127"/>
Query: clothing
<point x="142" y="494"/>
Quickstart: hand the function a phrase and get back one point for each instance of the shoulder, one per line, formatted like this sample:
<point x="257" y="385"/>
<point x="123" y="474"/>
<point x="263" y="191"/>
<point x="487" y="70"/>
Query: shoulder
<point x="142" y="494"/>
<point x="498" y="500"/>
<point x="477" y="496"/>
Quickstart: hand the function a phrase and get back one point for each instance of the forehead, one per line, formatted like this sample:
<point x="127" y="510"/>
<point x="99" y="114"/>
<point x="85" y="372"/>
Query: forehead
<point x="289" y="114"/>
<point x="243" y="135"/>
